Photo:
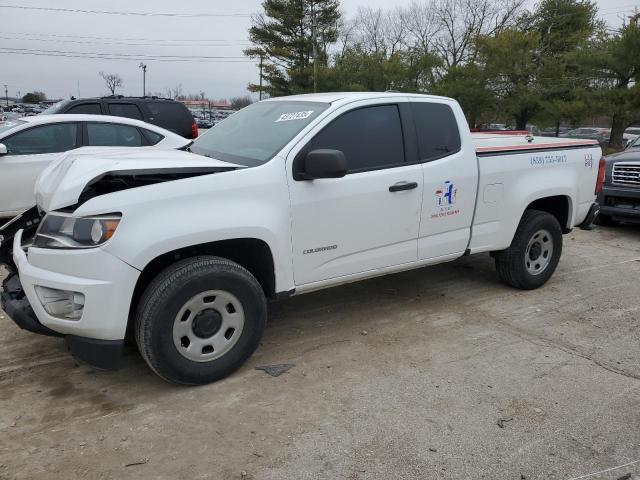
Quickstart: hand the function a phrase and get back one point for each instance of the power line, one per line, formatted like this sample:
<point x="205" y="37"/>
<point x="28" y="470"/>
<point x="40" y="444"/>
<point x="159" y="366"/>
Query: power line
<point x="155" y="40"/>
<point x="90" y="42"/>
<point x="138" y="14"/>
<point x="125" y="55"/>
<point x="108" y="56"/>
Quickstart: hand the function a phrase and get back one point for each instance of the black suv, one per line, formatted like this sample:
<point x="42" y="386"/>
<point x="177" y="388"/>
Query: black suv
<point x="163" y="112"/>
<point x="620" y="197"/>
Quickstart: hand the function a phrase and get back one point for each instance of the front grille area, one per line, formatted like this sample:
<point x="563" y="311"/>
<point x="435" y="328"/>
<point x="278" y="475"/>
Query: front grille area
<point x="626" y="174"/>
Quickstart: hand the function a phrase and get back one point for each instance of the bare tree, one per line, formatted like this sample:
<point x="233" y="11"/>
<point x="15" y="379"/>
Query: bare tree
<point x="112" y="81"/>
<point x="240" y="102"/>
<point x="462" y="21"/>
<point x="174" y="92"/>
<point x="422" y="25"/>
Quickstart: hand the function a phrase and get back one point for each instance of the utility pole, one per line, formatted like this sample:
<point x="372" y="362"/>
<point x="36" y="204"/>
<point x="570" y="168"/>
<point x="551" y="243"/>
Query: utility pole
<point x="6" y="94"/>
<point x="144" y="79"/>
<point x="261" y="66"/>
<point x="315" y="47"/>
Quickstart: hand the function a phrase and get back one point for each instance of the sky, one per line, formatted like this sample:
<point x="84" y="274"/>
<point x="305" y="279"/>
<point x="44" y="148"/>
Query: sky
<point x="206" y="28"/>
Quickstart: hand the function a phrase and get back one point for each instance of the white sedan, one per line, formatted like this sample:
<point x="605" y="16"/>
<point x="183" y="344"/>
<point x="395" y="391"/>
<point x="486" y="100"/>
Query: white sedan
<point x="28" y="145"/>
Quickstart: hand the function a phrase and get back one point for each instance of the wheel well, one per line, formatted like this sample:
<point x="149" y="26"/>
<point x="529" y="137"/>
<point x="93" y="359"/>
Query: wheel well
<point x="254" y="255"/>
<point x="557" y="206"/>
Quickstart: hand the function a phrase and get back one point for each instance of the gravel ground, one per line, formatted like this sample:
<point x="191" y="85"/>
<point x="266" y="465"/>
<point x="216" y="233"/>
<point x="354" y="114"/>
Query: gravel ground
<point x="436" y="373"/>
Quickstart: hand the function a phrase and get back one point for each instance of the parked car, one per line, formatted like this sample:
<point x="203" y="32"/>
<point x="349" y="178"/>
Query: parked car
<point x="30" y="144"/>
<point x="620" y="197"/>
<point x="592" y="133"/>
<point x="287" y="196"/>
<point x="163" y="112"/>
<point x="551" y="131"/>
<point x="202" y="123"/>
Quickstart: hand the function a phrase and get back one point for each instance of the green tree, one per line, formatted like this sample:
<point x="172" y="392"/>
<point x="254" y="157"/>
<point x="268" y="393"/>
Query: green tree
<point x="405" y="70"/>
<point x="285" y="37"/>
<point x="468" y="84"/>
<point x="614" y="62"/>
<point x="511" y="60"/>
<point x="565" y="28"/>
<point x="34" y="97"/>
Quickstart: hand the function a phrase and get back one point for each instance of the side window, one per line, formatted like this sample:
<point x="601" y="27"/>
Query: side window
<point x="86" y="108"/>
<point x="153" y="137"/>
<point x="113" y="135"/>
<point x="128" y="110"/>
<point x="45" y="139"/>
<point x="370" y="138"/>
<point x="437" y="130"/>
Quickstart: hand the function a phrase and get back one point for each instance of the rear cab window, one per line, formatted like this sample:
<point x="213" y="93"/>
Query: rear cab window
<point x="436" y="129"/>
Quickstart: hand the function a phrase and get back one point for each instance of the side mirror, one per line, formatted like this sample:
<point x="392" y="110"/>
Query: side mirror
<point x="3" y="149"/>
<point x="324" y="163"/>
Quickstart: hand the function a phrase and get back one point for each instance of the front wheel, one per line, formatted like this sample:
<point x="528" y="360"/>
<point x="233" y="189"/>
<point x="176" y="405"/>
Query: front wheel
<point x="534" y="252"/>
<point x="200" y="320"/>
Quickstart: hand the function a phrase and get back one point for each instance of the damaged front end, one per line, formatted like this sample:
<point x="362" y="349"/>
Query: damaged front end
<point x="13" y="300"/>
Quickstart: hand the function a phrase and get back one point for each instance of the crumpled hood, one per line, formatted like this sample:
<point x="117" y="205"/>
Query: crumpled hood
<point x="62" y="183"/>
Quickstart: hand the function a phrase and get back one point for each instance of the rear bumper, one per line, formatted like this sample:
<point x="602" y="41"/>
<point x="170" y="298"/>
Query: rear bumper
<point x="620" y="203"/>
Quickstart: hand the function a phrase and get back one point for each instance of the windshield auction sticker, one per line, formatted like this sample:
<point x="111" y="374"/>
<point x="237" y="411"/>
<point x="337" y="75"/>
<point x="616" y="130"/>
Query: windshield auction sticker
<point x="288" y="117"/>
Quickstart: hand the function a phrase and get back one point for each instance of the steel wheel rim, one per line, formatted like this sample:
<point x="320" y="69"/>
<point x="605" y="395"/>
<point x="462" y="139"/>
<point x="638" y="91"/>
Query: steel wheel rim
<point x="195" y="335"/>
<point x="539" y="251"/>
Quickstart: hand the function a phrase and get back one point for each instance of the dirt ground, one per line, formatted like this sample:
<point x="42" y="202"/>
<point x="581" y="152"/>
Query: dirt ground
<point x="436" y="373"/>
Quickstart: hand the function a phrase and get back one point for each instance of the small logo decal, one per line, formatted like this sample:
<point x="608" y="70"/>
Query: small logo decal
<point x="446" y="197"/>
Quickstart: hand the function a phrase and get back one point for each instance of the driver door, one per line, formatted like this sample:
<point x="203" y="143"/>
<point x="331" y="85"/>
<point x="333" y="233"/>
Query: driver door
<point x="368" y="219"/>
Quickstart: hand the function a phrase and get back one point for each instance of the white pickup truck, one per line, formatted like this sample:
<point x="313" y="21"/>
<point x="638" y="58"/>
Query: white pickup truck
<point x="181" y="249"/>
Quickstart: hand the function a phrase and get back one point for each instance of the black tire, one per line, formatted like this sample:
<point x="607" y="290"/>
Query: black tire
<point x="511" y="263"/>
<point x="169" y="292"/>
<point x="606" y="221"/>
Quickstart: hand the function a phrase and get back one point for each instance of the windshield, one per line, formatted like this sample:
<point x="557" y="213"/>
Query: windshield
<point x="255" y="134"/>
<point x="56" y="107"/>
<point x="11" y="124"/>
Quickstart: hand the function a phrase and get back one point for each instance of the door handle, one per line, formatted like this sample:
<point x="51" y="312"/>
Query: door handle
<point x="401" y="186"/>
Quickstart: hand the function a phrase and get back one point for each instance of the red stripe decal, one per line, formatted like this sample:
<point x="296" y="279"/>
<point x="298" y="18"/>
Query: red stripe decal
<point x="538" y="146"/>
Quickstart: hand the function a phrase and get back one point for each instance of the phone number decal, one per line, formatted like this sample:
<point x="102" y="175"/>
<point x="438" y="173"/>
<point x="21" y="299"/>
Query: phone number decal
<point x="540" y="160"/>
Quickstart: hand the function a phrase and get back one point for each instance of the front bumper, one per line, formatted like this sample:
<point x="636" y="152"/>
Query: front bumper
<point x="106" y="282"/>
<point x="620" y="203"/>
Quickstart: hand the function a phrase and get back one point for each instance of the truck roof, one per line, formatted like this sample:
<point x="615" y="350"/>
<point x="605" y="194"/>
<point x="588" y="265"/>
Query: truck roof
<point x="333" y="97"/>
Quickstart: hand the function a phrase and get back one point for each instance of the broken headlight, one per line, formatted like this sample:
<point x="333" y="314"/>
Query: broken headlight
<point x="59" y="230"/>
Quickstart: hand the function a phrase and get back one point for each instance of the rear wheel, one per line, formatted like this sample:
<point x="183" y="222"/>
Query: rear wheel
<point x="534" y="252"/>
<point x="200" y="320"/>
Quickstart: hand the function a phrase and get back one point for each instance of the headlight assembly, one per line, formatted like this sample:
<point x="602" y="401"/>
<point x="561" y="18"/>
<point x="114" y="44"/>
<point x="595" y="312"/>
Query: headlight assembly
<point x="59" y="230"/>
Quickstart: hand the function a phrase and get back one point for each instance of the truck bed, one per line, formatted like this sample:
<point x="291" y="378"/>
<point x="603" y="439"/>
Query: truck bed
<point x="488" y="143"/>
<point x="515" y="169"/>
